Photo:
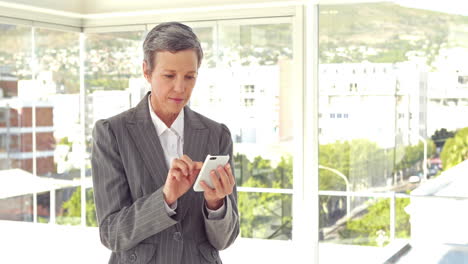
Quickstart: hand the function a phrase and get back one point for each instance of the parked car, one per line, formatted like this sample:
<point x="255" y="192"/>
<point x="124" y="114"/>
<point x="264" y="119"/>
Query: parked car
<point x="414" y="179"/>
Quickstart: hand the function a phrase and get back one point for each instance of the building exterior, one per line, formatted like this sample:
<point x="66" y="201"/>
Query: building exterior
<point x="104" y="104"/>
<point x="16" y="131"/>
<point x="447" y="101"/>
<point x="357" y="97"/>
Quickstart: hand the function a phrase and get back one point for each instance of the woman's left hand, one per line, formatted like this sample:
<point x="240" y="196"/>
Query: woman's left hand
<point x="223" y="186"/>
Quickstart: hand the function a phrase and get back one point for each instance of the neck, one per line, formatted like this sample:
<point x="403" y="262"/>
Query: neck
<point x="167" y="118"/>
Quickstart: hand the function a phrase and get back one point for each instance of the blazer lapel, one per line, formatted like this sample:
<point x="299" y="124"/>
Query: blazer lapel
<point x="195" y="146"/>
<point x="146" y="139"/>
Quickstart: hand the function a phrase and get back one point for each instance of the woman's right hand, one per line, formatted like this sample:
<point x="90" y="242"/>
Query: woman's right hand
<point x="180" y="178"/>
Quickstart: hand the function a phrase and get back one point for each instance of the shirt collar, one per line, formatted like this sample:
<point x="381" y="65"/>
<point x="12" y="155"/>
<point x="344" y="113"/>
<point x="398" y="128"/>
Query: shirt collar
<point x="177" y="126"/>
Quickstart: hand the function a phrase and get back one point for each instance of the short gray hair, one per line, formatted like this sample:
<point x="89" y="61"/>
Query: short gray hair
<point x="172" y="37"/>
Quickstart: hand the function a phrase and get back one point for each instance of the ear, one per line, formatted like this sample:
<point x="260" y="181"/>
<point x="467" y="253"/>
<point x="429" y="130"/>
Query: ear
<point x="146" y="72"/>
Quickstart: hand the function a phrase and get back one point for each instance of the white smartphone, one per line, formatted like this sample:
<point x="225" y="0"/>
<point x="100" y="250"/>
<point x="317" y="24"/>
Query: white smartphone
<point x="211" y="163"/>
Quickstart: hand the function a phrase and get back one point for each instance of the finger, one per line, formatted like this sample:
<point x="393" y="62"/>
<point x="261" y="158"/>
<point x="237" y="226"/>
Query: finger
<point x="216" y="183"/>
<point x="232" y="180"/>
<point x="181" y="165"/>
<point x="223" y="178"/>
<point x="198" y="165"/>
<point x="192" y="177"/>
<point x="207" y="188"/>
<point x="189" y="162"/>
<point x="177" y="174"/>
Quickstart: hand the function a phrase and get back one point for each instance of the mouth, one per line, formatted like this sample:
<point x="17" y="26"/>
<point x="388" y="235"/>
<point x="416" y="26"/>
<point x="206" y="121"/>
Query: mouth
<point x="176" y="100"/>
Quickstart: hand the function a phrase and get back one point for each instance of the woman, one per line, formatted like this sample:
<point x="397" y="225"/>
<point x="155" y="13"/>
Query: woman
<point x="145" y="161"/>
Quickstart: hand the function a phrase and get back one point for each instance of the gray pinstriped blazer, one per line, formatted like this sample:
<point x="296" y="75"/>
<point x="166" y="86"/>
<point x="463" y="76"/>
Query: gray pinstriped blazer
<point x="129" y="171"/>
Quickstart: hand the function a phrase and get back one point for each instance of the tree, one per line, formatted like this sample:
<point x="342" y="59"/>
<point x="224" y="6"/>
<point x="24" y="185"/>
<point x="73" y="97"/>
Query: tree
<point x="414" y="155"/>
<point x="455" y="149"/>
<point x="373" y="228"/>
<point x="441" y="135"/>
<point x="265" y="215"/>
<point x="366" y="165"/>
<point x="72" y="208"/>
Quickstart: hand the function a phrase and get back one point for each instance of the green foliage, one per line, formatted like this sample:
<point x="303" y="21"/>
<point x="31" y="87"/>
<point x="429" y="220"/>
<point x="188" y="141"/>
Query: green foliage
<point x="366" y="229"/>
<point x="41" y="219"/>
<point x="91" y="219"/>
<point x="260" y="172"/>
<point x="72" y="209"/>
<point x="359" y="159"/>
<point x="106" y="83"/>
<point x="441" y="135"/>
<point x="64" y="141"/>
<point x="415" y="154"/>
<point x="455" y="149"/>
<point x="365" y="165"/>
<point x="265" y="215"/>
<point x="68" y="220"/>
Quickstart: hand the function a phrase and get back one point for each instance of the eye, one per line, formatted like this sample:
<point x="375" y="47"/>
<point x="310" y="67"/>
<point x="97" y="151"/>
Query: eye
<point x="190" y="77"/>
<point x="169" y="76"/>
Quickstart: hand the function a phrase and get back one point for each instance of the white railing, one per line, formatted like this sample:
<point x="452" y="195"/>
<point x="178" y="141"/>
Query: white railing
<point x="389" y="195"/>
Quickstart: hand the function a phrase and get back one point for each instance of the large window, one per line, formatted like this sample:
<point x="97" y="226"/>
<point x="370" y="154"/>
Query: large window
<point x="245" y="82"/>
<point x="41" y="133"/>
<point x="113" y="84"/>
<point x="58" y="131"/>
<point x="16" y="123"/>
<point x="392" y="124"/>
<point x="234" y="87"/>
<point x="247" y="86"/>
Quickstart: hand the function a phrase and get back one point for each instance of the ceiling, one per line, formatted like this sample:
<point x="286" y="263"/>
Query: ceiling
<point x="89" y="7"/>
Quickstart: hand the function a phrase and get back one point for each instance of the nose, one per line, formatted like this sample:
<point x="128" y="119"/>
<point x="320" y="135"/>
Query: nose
<point x="179" y="85"/>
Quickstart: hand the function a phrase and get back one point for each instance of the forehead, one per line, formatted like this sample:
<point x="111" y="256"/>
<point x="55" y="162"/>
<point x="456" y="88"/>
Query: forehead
<point x="180" y="60"/>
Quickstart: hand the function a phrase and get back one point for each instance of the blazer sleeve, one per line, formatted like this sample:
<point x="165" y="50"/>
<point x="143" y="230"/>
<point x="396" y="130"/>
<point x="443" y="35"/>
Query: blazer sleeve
<point x="123" y="222"/>
<point x="223" y="231"/>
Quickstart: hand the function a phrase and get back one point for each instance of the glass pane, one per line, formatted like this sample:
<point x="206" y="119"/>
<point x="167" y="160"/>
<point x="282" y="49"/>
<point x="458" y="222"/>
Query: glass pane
<point x="43" y="207"/>
<point x="265" y="215"/>
<point x="15" y="124"/>
<point x="403" y="222"/>
<point x="68" y="206"/>
<point x="112" y="59"/>
<point x="371" y="228"/>
<point x="57" y="89"/>
<point x="205" y="36"/>
<point x="113" y="77"/>
<point x="91" y="219"/>
<point x="18" y="208"/>
<point x="241" y="93"/>
<point x="392" y="118"/>
<point x="448" y="244"/>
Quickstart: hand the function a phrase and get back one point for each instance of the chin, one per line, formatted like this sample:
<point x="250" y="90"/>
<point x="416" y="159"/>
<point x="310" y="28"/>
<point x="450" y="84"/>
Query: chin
<point x="176" y="110"/>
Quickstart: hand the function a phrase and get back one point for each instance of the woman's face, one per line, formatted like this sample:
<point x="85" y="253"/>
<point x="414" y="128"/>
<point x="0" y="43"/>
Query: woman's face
<point x="172" y="81"/>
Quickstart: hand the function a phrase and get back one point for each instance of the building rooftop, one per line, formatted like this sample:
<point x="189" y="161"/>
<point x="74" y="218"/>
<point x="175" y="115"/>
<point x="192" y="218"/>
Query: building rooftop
<point x="17" y="182"/>
<point x="452" y="182"/>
